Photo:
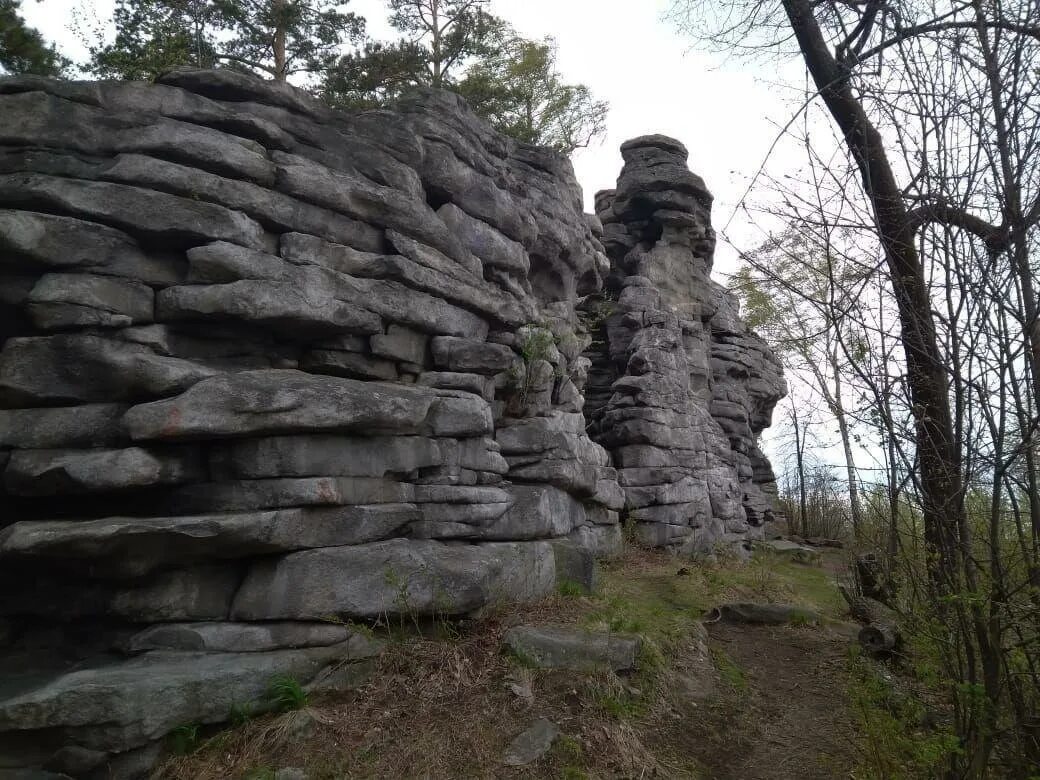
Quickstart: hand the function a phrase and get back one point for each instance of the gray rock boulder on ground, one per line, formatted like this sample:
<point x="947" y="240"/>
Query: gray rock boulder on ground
<point x="569" y="647"/>
<point x="533" y="743"/>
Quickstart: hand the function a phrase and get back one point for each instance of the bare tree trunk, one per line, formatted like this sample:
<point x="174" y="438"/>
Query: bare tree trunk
<point x="799" y="457"/>
<point x="838" y="409"/>
<point x="435" y="46"/>
<point x="278" y="44"/>
<point x="941" y="487"/>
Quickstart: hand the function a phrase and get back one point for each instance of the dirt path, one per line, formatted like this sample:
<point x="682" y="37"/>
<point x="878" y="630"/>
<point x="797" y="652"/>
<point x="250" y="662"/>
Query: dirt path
<point x="791" y="720"/>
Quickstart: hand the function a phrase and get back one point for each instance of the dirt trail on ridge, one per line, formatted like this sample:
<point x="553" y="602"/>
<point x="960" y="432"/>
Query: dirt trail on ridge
<point x="794" y="722"/>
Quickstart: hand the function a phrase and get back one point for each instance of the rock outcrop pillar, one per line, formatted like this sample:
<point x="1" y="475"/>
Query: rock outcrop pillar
<point x="679" y="388"/>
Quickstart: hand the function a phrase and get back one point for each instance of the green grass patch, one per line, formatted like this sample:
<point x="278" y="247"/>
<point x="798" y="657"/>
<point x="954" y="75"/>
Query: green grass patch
<point x="185" y="739"/>
<point x="285" y="694"/>
<point x="895" y="744"/>
<point x="730" y="673"/>
<point x="570" y="588"/>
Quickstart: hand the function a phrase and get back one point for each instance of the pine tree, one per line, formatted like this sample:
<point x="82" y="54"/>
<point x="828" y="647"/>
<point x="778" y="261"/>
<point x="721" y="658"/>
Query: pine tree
<point x="23" y="49"/>
<point x="275" y="38"/>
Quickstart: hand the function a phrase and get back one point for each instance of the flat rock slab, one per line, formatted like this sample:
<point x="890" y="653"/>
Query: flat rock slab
<point x="251" y="637"/>
<point x="288" y="401"/>
<point x="532" y="744"/>
<point x="799" y="553"/>
<point x="763" y="614"/>
<point x="395" y="577"/>
<point x="128" y="704"/>
<point x="570" y="647"/>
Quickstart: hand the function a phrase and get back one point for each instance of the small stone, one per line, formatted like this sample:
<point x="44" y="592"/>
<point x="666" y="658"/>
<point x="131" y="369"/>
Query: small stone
<point x="569" y="647"/>
<point x="532" y="744"/>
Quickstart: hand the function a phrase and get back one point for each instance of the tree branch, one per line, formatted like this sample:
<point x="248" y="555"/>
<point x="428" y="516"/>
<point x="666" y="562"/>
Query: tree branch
<point x="905" y="34"/>
<point x="937" y="211"/>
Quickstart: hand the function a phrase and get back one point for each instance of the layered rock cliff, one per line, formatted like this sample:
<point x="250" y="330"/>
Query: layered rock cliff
<point x="269" y="368"/>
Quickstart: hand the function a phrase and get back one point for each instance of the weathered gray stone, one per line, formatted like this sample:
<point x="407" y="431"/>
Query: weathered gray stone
<point x="569" y="647"/>
<point x="363" y="200"/>
<point x="73" y="244"/>
<point x="348" y="364"/>
<point x="271" y="209"/>
<point x="575" y="564"/>
<point x="401" y="344"/>
<point x="327" y="455"/>
<point x="450" y="380"/>
<point x="536" y="512"/>
<point x="602" y="540"/>
<point x="76" y="368"/>
<point x="234" y="86"/>
<point x="139" y="211"/>
<point x="61" y="472"/>
<point x="274" y="304"/>
<point x="249" y="637"/>
<point x="89" y="425"/>
<point x="247" y="494"/>
<point x="195" y="593"/>
<point x="462" y="355"/>
<point x="221" y="262"/>
<point x="485" y="242"/>
<point x="335" y="361"/>
<point x="84" y="300"/>
<point x="192" y="687"/>
<point x="272" y="402"/>
<point x="394" y="577"/>
<point x="132" y="547"/>
<point x="533" y="743"/>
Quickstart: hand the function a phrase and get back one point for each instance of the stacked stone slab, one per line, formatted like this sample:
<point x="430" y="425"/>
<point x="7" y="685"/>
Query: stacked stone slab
<point x="678" y="389"/>
<point x="268" y="369"/>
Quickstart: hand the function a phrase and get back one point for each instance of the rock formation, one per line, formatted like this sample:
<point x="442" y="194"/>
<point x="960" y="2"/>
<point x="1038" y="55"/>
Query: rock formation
<point x="679" y="387"/>
<point x="268" y="369"/>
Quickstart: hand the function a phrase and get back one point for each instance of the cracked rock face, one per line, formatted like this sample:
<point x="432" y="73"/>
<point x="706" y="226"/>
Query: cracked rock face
<point x="267" y="368"/>
<point x="679" y="389"/>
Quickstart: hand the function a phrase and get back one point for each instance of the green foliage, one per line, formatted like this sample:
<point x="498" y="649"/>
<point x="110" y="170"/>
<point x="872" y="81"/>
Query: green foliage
<point x="757" y="306"/>
<point x="285" y="694"/>
<point x="239" y="715"/>
<point x="568" y="751"/>
<point x="282" y="37"/>
<point x="536" y="343"/>
<point x="523" y="659"/>
<point x="23" y="49"/>
<point x="510" y="81"/>
<point x="570" y="589"/>
<point x="439" y="38"/>
<point x="731" y="674"/>
<point x="518" y="90"/>
<point x="897" y="744"/>
<point x="184" y="739"/>
<point x="272" y="37"/>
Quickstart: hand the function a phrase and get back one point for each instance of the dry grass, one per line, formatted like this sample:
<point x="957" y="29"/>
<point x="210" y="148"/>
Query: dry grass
<point x="446" y="701"/>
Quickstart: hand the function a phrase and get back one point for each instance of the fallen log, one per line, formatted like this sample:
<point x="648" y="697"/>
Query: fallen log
<point x="762" y="614"/>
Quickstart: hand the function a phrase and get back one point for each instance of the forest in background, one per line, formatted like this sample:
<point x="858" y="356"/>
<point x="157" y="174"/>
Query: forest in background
<point x="511" y="81"/>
